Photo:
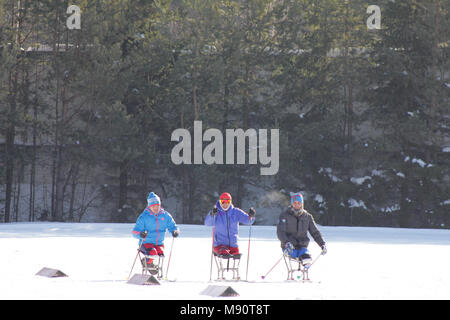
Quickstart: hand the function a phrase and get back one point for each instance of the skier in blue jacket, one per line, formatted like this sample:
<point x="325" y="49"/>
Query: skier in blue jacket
<point x="225" y="219"/>
<point x="151" y="227"/>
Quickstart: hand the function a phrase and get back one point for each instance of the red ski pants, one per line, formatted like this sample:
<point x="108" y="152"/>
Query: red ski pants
<point x="153" y="250"/>
<point x="223" y="249"/>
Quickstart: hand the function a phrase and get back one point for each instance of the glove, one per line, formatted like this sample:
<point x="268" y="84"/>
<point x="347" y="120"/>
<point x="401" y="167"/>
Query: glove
<point x="324" y="249"/>
<point x="251" y="212"/>
<point x="289" y="247"/>
<point x="143" y="234"/>
<point x="176" y="233"/>
<point x="214" y="211"/>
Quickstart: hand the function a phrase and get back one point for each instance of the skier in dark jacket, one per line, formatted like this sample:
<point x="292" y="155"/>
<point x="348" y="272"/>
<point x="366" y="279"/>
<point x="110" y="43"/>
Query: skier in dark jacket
<point x="293" y="227"/>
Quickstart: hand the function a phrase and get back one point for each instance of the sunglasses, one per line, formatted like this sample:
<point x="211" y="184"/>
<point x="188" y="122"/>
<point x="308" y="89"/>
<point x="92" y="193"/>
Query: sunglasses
<point x="224" y="201"/>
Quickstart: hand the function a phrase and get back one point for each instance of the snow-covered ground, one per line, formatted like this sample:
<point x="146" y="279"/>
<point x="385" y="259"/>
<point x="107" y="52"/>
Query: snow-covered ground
<point x="361" y="263"/>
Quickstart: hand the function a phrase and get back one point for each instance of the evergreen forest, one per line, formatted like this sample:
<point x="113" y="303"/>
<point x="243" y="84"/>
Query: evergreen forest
<point x="91" y="92"/>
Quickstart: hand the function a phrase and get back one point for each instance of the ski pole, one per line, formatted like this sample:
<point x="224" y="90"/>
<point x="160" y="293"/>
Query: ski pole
<point x="212" y="248"/>
<point x="249" y="237"/>
<point x="138" y="251"/>
<point x="315" y="260"/>
<point x="170" y="255"/>
<point x="248" y="253"/>
<point x="212" y="254"/>
<point x="263" y="277"/>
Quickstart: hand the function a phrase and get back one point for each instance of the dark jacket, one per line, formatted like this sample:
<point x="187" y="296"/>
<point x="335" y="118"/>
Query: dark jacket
<point x="294" y="228"/>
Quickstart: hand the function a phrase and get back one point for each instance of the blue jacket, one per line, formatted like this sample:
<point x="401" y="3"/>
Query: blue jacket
<point x="155" y="224"/>
<point x="226" y="225"/>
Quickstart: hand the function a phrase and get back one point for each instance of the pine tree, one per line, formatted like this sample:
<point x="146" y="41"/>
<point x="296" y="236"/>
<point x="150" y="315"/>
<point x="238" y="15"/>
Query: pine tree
<point x="406" y="99"/>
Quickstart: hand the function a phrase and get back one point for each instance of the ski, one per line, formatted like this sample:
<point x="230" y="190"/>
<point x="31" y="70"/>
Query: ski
<point x="291" y="281"/>
<point x="168" y="280"/>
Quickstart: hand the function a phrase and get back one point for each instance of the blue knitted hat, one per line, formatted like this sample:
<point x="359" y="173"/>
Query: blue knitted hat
<point x="153" y="199"/>
<point x="296" y="197"/>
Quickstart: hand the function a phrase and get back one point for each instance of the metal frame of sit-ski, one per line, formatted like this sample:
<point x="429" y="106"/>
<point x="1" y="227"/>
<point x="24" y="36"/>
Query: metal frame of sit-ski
<point x="159" y="259"/>
<point x="232" y="264"/>
<point x="290" y="264"/>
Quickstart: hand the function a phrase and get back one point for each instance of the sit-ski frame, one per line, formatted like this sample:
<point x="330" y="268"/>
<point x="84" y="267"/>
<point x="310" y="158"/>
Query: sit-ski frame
<point x="296" y="265"/>
<point x="159" y="265"/>
<point x="232" y="264"/>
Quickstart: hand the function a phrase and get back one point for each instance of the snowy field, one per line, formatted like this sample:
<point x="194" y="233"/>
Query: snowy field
<point x="361" y="263"/>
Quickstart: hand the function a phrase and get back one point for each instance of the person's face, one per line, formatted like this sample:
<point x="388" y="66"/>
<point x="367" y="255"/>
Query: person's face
<point x="297" y="205"/>
<point x="225" y="204"/>
<point x="155" y="208"/>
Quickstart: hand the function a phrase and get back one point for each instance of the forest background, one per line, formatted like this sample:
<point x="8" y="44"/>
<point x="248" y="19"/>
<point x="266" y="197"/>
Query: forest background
<point x="87" y="111"/>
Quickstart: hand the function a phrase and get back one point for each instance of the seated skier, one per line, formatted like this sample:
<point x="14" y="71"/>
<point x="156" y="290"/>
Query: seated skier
<point x="226" y="218"/>
<point x="151" y="227"/>
<point x="292" y="230"/>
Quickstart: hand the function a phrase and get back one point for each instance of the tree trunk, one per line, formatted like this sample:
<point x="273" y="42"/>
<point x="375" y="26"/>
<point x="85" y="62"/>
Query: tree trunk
<point x="241" y="171"/>
<point x="435" y="85"/>
<point x="348" y="93"/>
<point x="75" y="170"/>
<point x="59" y="187"/>
<point x="58" y="177"/>
<point x="16" y="22"/>
<point x="31" y="206"/>
<point x="123" y="191"/>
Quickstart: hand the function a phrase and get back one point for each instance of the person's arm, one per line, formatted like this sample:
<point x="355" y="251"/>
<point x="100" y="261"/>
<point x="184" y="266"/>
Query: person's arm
<point x="171" y="224"/>
<point x="315" y="233"/>
<point x="210" y="219"/>
<point x="138" y="228"/>
<point x="243" y="217"/>
<point x="281" y="229"/>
